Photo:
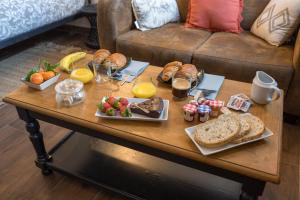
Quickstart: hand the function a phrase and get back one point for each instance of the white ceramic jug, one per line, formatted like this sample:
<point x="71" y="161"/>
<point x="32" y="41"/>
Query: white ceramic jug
<point x="263" y="88"/>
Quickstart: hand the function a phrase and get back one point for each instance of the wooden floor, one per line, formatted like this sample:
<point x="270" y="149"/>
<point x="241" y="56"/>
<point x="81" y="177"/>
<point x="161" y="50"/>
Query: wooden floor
<point x="20" y="179"/>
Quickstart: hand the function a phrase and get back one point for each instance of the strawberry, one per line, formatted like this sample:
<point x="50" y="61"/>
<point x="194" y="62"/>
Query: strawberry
<point x="101" y="107"/>
<point x="111" y="111"/>
<point x="123" y="101"/>
<point x="106" y="106"/>
<point x="117" y="104"/>
<point x="125" y="112"/>
<point x="104" y="99"/>
<point x="111" y="100"/>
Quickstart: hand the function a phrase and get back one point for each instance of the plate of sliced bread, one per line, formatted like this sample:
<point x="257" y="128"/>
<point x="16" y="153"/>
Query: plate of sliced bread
<point x="227" y="131"/>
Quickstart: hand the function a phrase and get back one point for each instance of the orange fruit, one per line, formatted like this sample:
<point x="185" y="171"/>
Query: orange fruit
<point x="36" y="78"/>
<point x="47" y="75"/>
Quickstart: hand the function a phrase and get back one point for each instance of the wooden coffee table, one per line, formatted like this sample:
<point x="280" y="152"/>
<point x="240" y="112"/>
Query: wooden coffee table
<point x="252" y="165"/>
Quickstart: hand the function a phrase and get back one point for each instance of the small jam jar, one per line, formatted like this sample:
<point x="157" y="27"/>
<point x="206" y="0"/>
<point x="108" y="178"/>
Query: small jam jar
<point x="203" y="113"/>
<point x="190" y="111"/>
<point x="69" y="92"/>
<point x="215" y="106"/>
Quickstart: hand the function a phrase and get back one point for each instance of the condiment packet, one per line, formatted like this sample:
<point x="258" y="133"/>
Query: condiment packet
<point x="239" y="102"/>
<point x="243" y="96"/>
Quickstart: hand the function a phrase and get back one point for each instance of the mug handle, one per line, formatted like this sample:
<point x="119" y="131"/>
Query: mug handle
<point x="277" y="95"/>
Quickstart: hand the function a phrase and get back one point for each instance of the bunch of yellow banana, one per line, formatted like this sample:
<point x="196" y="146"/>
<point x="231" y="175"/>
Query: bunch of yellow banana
<point x="66" y="62"/>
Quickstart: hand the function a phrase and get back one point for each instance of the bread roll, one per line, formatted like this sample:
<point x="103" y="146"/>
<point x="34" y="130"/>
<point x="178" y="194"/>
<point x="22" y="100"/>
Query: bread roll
<point x="100" y="55"/>
<point x="115" y="61"/>
<point x="170" y="69"/>
<point x="190" y="69"/>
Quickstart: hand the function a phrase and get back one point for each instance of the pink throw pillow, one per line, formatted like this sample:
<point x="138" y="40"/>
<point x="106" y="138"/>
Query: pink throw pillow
<point x="215" y="15"/>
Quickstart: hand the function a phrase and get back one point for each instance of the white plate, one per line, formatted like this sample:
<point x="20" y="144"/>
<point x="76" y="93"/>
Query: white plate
<point x="163" y="115"/>
<point x="208" y="151"/>
<point x="43" y="85"/>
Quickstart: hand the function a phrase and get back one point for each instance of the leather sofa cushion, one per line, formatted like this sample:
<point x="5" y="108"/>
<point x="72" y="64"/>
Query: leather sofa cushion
<point x="238" y="57"/>
<point x="252" y="9"/>
<point x="162" y="45"/>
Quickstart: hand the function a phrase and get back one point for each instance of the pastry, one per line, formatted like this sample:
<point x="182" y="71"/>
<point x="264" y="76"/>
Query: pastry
<point x="115" y="61"/>
<point x="151" y="108"/>
<point x="170" y="69"/>
<point x="217" y="132"/>
<point x="190" y="69"/>
<point x="101" y="55"/>
<point x="257" y="128"/>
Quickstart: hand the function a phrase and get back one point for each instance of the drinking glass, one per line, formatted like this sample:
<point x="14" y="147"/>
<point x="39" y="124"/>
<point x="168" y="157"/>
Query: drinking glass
<point x="100" y="72"/>
<point x="144" y="87"/>
<point x="181" y="85"/>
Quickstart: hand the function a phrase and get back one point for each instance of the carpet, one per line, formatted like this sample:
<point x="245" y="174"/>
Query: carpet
<point x="13" y="68"/>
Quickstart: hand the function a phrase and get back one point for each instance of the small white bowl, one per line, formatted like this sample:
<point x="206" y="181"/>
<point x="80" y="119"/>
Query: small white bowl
<point x="43" y="85"/>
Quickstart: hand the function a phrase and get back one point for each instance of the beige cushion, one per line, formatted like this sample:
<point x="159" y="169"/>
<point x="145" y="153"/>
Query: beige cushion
<point x="162" y="45"/>
<point x="278" y="21"/>
<point x="238" y="57"/>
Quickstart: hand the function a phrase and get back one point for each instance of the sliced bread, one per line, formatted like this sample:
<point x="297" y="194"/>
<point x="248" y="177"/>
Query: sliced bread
<point x="245" y="126"/>
<point x="256" y="130"/>
<point x="217" y="132"/>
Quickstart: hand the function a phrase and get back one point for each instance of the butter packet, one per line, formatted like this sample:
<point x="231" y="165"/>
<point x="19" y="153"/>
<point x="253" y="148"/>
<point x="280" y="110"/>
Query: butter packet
<point x="239" y="102"/>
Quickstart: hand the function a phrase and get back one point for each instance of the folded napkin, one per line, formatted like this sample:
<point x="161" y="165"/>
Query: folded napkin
<point x="210" y="82"/>
<point x="134" y="69"/>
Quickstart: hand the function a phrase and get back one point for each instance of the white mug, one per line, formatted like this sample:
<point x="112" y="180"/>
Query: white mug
<point x="263" y="88"/>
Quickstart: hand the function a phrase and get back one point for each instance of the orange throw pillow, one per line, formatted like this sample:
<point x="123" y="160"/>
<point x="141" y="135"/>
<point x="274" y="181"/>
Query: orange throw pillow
<point x="215" y="15"/>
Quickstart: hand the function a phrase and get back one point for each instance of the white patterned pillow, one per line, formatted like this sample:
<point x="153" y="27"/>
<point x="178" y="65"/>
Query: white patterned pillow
<point x="151" y="14"/>
<point x="278" y="21"/>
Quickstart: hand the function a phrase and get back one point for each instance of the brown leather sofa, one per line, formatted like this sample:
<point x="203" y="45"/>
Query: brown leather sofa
<point x="236" y="56"/>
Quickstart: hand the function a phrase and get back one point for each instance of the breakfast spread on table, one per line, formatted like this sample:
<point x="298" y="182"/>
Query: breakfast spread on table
<point x="218" y="127"/>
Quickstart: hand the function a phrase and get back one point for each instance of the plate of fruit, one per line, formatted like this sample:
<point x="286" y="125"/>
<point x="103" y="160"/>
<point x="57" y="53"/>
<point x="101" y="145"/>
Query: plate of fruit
<point x="41" y="76"/>
<point x="153" y="109"/>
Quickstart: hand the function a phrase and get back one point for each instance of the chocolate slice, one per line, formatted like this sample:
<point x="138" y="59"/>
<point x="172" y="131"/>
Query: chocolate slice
<point x="151" y="108"/>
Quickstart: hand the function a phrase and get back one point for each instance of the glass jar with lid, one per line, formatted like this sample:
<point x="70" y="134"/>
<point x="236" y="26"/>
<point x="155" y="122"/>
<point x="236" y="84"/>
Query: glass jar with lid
<point x="69" y="92"/>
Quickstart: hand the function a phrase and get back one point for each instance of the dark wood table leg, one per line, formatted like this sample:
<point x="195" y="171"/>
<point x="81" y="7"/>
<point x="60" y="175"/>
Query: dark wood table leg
<point x="36" y="138"/>
<point x="252" y="190"/>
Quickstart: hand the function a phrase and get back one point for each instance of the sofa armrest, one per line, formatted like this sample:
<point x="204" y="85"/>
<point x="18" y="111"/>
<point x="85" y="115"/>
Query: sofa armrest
<point x="293" y="93"/>
<point x="114" y="17"/>
<point x="296" y="59"/>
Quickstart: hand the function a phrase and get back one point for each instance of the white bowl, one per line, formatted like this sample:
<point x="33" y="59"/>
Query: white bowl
<point x="43" y="85"/>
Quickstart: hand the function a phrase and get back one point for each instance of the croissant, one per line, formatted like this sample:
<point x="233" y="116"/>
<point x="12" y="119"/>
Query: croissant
<point x="101" y="55"/>
<point x="115" y="61"/>
<point x="170" y="69"/>
<point x="190" y="69"/>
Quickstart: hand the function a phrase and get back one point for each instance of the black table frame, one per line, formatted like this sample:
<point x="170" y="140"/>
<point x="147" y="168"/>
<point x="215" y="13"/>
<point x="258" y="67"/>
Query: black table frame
<point x="251" y="188"/>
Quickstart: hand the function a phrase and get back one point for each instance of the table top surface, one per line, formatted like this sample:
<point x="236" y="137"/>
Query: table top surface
<point x="259" y="160"/>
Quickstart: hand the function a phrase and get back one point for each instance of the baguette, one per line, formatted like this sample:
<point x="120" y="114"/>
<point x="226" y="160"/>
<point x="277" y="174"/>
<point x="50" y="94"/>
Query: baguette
<point x="256" y="130"/>
<point x="217" y="132"/>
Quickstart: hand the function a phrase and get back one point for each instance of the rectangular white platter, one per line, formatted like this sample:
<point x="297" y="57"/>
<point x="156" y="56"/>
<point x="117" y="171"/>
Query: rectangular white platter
<point x="208" y="151"/>
<point x="43" y="85"/>
<point x="163" y="116"/>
